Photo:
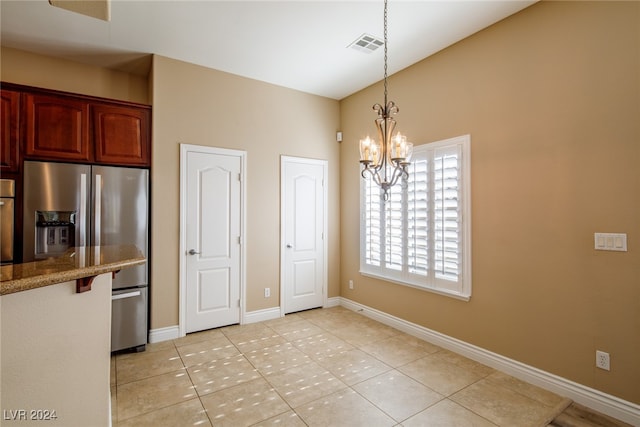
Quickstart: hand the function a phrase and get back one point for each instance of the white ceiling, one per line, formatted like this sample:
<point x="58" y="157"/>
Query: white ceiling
<point x="296" y="44"/>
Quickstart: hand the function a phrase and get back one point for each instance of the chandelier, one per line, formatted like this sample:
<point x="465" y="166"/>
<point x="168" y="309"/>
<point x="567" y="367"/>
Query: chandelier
<point x="386" y="159"/>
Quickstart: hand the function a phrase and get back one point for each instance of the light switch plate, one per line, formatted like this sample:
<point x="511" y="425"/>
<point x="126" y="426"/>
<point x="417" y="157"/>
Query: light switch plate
<point x="611" y="242"/>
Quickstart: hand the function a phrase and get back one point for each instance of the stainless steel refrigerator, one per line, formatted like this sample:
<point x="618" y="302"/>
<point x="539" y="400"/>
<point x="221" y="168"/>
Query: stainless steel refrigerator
<point x="68" y="205"/>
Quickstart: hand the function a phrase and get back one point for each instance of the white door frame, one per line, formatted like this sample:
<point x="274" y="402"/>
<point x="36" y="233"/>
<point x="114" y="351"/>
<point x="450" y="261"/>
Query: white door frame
<point x="325" y="274"/>
<point x="184" y="149"/>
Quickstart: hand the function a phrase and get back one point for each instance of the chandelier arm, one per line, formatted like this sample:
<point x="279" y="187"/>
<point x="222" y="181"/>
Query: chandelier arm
<point x="405" y="172"/>
<point x="378" y="179"/>
<point x="365" y="168"/>
<point x="397" y="173"/>
<point x="382" y="166"/>
<point x="373" y="173"/>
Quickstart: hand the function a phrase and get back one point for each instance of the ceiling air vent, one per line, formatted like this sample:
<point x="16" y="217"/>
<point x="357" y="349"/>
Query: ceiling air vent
<point x="366" y="43"/>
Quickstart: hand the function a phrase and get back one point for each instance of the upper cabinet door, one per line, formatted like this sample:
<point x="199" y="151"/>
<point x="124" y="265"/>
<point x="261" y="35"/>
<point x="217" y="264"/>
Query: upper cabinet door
<point x="56" y="128"/>
<point x="9" y="128"/>
<point x="121" y="134"/>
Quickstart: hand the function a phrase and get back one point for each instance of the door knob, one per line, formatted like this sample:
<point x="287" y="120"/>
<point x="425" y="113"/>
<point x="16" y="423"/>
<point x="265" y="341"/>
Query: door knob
<point x="193" y="252"/>
<point x="289" y="246"/>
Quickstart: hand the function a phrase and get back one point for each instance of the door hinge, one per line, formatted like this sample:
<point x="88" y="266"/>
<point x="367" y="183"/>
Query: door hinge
<point x="239" y="240"/>
<point x="238" y="303"/>
<point x="240" y="177"/>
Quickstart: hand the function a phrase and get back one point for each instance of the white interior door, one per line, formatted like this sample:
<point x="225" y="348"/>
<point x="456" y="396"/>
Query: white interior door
<point x="211" y="245"/>
<point x="303" y="217"/>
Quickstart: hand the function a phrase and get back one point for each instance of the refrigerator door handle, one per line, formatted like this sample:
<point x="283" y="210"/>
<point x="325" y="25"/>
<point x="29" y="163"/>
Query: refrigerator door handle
<point x="82" y="214"/>
<point x="125" y="295"/>
<point x="97" y="212"/>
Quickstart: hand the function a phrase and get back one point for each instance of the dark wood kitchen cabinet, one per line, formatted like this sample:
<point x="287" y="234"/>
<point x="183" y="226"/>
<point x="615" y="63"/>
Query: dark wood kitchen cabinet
<point x="120" y="134"/>
<point x="56" y="128"/>
<point x="66" y="127"/>
<point x="9" y="131"/>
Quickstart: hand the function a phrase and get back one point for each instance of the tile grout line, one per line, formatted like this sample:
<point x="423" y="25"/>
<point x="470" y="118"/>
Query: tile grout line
<point x="193" y="386"/>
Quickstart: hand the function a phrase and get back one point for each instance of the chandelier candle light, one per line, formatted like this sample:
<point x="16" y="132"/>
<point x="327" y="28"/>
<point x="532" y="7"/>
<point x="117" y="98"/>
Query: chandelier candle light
<point x="386" y="159"/>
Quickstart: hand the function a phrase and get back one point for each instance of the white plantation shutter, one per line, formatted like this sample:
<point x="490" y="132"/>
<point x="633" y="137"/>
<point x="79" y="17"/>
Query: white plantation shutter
<point x="418" y="237"/>
<point x="372" y="222"/>
<point x="418" y="216"/>
<point x="446" y="225"/>
<point x="394" y="225"/>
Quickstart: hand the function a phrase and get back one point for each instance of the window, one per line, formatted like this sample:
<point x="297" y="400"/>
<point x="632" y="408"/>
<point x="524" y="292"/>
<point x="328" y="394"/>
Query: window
<point x="421" y="235"/>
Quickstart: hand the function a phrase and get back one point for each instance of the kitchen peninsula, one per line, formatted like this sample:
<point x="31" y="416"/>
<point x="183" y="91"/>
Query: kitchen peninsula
<point x="55" y="336"/>
<point x="78" y="263"/>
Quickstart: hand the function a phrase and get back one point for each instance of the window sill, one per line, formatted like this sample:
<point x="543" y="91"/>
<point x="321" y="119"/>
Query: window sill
<point x="443" y="292"/>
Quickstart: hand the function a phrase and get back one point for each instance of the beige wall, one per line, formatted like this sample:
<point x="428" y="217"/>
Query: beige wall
<point x="200" y="106"/>
<point x="17" y="66"/>
<point x="551" y="98"/>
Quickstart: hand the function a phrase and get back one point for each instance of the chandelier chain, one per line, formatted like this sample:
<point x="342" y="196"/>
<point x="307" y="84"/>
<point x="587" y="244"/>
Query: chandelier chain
<point x="385" y="53"/>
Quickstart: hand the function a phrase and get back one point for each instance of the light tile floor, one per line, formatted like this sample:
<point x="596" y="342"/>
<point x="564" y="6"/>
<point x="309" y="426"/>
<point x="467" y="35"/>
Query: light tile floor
<point x="324" y="367"/>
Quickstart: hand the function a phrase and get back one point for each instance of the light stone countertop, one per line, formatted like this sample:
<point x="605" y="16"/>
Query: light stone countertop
<point x="76" y="263"/>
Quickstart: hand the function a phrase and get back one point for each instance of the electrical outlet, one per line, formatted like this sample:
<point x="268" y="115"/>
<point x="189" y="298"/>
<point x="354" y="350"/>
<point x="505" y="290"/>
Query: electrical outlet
<point x="267" y="292"/>
<point x="350" y="284"/>
<point x="602" y="360"/>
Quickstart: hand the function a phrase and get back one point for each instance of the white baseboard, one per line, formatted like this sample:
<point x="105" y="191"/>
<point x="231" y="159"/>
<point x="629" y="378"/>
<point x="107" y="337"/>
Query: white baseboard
<point x="333" y="302"/>
<point x="173" y="332"/>
<point x="261" y="315"/>
<point x="275" y="312"/>
<point x="164" y="334"/>
<point x="602" y="402"/>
